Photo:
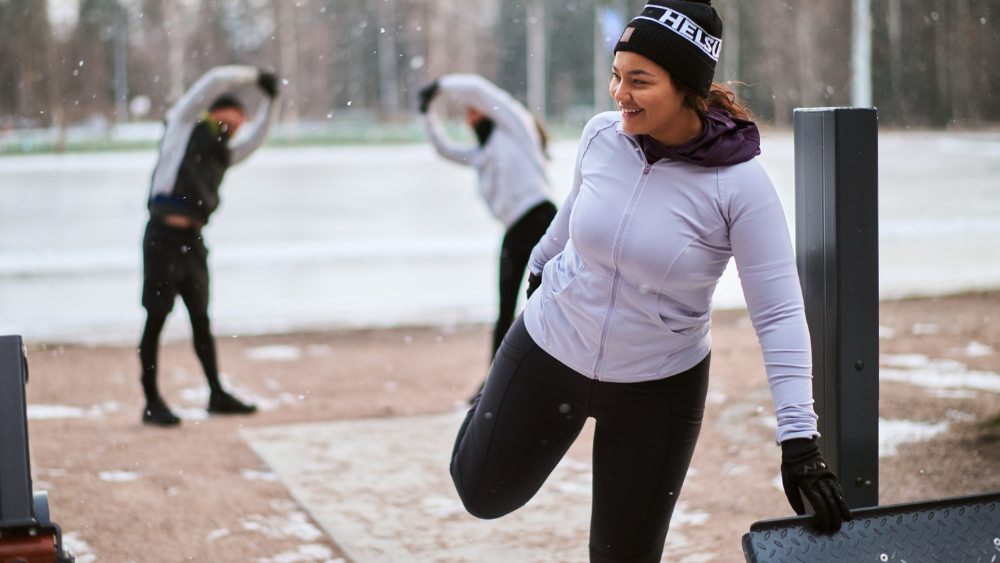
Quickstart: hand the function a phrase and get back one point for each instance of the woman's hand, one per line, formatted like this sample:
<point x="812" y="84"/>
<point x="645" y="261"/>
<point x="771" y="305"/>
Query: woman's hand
<point x="426" y="95"/>
<point x="804" y="469"/>
<point x="533" y="282"/>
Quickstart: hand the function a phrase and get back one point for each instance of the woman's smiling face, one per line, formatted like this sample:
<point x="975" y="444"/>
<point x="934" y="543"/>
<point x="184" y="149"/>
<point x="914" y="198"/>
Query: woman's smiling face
<point x="649" y="101"/>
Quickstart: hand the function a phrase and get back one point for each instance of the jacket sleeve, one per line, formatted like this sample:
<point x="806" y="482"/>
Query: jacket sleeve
<point x="557" y="235"/>
<point x="762" y="246"/>
<point x="508" y="114"/>
<point x="259" y="129"/>
<point x="462" y="154"/>
<point x="210" y="86"/>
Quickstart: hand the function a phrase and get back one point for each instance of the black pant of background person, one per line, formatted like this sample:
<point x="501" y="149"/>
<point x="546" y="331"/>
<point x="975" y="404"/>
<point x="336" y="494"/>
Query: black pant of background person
<point x="530" y="412"/>
<point x="175" y="262"/>
<point x="515" y="252"/>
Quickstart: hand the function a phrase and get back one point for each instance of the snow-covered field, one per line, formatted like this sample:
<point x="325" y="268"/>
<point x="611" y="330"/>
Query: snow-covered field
<point x="322" y="237"/>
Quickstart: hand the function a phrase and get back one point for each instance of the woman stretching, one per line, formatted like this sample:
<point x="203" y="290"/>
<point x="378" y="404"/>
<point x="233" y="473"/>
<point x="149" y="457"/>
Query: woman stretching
<point x="509" y="159"/>
<point x="665" y="191"/>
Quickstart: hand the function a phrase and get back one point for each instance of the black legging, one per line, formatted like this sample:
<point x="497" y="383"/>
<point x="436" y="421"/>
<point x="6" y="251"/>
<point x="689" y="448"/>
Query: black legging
<point x="175" y="262"/>
<point x="515" y="252"/>
<point x="204" y="347"/>
<point x="530" y="412"/>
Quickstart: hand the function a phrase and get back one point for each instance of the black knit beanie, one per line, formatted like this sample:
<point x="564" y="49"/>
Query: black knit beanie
<point x="682" y="36"/>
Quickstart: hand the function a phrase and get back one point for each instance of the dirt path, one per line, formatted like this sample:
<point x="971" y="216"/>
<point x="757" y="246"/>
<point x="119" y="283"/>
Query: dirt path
<point x="124" y="492"/>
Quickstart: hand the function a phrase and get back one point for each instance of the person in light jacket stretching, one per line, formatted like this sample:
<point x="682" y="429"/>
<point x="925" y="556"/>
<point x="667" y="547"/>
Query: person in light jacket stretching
<point x="666" y="190"/>
<point x="195" y="152"/>
<point x="510" y="160"/>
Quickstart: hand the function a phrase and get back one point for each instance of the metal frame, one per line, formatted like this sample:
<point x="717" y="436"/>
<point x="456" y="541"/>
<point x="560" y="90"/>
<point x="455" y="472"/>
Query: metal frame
<point x="836" y="220"/>
<point x="25" y="528"/>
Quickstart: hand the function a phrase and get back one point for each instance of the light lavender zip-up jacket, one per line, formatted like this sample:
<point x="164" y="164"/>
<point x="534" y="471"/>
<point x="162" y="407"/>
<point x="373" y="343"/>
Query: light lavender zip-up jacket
<point x="633" y="256"/>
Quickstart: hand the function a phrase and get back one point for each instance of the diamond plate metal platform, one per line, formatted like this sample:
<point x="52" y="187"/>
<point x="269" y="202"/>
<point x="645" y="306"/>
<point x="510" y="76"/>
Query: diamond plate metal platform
<point x="965" y="529"/>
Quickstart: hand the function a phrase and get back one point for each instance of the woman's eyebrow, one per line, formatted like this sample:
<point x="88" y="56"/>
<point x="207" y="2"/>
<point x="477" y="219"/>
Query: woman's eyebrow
<point x="640" y="71"/>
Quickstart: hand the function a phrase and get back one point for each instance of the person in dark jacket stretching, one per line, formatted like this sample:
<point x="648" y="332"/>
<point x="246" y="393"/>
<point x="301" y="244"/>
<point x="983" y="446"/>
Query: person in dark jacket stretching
<point x="194" y="155"/>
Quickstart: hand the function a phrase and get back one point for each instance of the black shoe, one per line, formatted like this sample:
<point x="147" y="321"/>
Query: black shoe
<point x="220" y="402"/>
<point x="158" y="413"/>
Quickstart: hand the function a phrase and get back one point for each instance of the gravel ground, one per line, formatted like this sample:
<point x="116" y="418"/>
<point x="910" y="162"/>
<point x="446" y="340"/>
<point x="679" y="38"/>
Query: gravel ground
<point x="124" y="492"/>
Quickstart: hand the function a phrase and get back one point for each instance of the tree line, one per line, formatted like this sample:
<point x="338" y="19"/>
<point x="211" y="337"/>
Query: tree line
<point x="63" y="62"/>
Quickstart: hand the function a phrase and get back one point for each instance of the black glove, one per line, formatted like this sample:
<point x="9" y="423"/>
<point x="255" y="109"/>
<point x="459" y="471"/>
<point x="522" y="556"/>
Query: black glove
<point x="533" y="282"/>
<point x="803" y="468"/>
<point x="268" y="82"/>
<point x="426" y="95"/>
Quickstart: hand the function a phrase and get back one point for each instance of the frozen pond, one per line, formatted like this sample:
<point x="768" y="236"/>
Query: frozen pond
<point x="324" y="237"/>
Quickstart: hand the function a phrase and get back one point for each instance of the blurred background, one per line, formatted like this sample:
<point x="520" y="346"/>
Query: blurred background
<point x="348" y="218"/>
<point x="99" y="63"/>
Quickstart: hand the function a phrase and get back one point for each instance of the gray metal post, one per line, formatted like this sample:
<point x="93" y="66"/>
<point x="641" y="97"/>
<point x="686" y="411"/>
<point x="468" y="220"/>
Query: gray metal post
<point x="16" y="503"/>
<point x="836" y="220"/>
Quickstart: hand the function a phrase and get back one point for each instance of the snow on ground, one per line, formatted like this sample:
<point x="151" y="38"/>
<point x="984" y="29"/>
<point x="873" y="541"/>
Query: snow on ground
<point x="919" y="370"/>
<point x="942" y="378"/>
<point x="78" y="547"/>
<point x="329" y="237"/>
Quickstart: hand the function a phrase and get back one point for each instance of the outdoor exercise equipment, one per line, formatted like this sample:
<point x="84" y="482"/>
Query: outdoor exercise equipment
<point x="836" y="241"/>
<point x="26" y="533"/>
<point x="836" y="224"/>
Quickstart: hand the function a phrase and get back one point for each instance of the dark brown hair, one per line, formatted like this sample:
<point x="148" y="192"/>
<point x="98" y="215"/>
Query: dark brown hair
<point x="719" y="97"/>
<point x="543" y="136"/>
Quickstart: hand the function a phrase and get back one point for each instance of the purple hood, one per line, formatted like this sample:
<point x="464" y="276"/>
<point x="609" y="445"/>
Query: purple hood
<point x="725" y="140"/>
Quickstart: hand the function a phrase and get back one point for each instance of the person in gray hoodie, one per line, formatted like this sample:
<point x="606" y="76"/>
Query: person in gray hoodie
<point x="196" y="150"/>
<point x="617" y="327"/>
<point x="509" y="159"/>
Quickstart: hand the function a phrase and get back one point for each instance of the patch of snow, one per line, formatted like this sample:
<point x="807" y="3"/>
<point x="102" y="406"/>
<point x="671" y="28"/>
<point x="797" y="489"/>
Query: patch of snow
<point x="216" y="534"/>
<point x="574" y="465"/>
<point x="307" y="553"/>
<point x="574" y="488"/>
<point x="959" y="416"/>
<point x="904" y="360"/>
<point x="52" y="472"/>
<point x="78" y="547"/>
<point x="253" y="474"/>
<point x="683" y="517"/>
<point x="975" y="349"/>
<point x="886" y="333"/>
<point x="50" y="412"/>
<point x="944" y="379"/>
<point x="118" y="476"/>
<point x="274" y="352"/>
<point x="715" y="398"/>
<point x="894" y="433"/>
<point x="925" y="328"/>
<point x="197" y="394"/>
<point x="439" y="507"/>
<point x="952" y="393"/>
<point x="191" y="414"/>
<point x="699" y="558"/>
<point x="294" y="523"/>
<point x="777" y="483"/>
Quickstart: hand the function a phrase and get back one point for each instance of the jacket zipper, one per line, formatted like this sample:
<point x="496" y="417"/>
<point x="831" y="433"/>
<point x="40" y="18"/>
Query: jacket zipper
<point x="616" y="279"/>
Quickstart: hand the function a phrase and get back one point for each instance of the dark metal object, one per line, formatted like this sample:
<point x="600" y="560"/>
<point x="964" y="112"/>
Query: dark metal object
<point x="954" y="529"/>
<point x="25" y="528"/>
<point x="836" y="226"/>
